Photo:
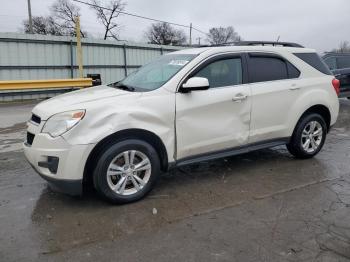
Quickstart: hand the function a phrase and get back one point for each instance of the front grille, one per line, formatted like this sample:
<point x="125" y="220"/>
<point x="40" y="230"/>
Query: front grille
<point x="30" y="138"/>
<point x="35" y="119"/>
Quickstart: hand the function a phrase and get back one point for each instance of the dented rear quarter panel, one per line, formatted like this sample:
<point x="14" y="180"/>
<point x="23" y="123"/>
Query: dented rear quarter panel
<point x="315" y="91"/>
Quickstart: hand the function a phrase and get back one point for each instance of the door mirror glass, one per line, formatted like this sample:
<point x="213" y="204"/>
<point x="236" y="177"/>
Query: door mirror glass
<point x="196" y="83"/>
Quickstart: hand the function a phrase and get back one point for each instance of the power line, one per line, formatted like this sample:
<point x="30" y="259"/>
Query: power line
<point x="142" y="17"/>
<point x="199" y="31"/>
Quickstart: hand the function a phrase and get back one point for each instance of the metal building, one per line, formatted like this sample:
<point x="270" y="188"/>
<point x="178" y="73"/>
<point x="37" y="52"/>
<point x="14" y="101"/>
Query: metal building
<point x="24" y="56"/>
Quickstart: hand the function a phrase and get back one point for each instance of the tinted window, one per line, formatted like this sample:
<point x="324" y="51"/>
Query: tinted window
<point x="331" y="62"/>
<point x="315" y="61"/>
<point x="263" y="69"/>
<point x="221" y="73"/>
<point x="293" y="72"/>
<point x="343" y="62"/>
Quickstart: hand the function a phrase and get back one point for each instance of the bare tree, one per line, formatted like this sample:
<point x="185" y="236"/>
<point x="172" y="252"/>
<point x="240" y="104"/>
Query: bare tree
<point x="165" y="34"/>
<point x="344" y="47"/>
<point x="43" y="26"/>
<point x="223" y="35"/>
<point x="108" y="15"/>
<point x="65" y="14"/>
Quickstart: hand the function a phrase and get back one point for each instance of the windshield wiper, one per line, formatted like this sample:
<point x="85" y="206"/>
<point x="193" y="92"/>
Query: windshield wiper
<point x="123" y="87"/>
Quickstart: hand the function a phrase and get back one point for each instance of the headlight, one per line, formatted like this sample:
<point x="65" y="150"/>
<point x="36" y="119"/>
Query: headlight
<point x="60" y="123"/>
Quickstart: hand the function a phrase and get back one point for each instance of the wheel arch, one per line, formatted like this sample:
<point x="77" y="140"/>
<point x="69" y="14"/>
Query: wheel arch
<point x="318" y="109"/>
<point x="140" y="134"/>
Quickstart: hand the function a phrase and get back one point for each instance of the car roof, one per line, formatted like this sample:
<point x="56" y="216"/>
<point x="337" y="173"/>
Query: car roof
<point x="221" y="49"/>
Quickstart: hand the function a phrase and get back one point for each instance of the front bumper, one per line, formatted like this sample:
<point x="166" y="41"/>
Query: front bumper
<point x="69" y="187"/>
<point x="65" y="172"/>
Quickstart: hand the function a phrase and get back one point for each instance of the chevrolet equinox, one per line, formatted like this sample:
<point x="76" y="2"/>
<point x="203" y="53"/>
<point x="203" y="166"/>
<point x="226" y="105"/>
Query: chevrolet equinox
<point x="188" y="106"/>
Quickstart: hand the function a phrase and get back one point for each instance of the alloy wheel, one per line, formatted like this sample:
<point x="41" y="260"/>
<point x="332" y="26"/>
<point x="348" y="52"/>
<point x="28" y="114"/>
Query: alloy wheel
<point x="311" y="137"/>
<point x="129" y="172"/>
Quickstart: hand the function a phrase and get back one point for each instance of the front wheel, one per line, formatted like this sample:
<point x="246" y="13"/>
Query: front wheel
<point x="308" y="137"/>
<point x="126" y="171"/>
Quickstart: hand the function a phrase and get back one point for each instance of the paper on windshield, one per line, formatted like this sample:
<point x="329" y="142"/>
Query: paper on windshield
<point x="178" y="62"/>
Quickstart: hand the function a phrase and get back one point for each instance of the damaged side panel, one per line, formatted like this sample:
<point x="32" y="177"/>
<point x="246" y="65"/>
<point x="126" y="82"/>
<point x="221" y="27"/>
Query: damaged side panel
<point x="210" y="120"/>
<point x="153" y="112"/>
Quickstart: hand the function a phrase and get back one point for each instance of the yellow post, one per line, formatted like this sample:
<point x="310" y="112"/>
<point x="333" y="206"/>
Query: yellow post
<point x="79" y="49"/>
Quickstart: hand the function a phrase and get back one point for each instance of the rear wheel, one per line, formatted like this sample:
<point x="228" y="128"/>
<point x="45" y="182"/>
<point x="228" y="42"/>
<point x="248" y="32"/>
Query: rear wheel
<point x="308" y="137"/>
<point x="127" y="171"/>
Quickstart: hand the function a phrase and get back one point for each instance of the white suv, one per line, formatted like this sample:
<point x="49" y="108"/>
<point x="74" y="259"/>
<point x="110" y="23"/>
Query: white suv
<point x="185" y="107"/>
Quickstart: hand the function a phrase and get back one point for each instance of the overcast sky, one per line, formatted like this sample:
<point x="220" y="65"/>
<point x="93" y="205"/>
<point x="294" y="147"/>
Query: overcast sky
<point x="320" y="24"/>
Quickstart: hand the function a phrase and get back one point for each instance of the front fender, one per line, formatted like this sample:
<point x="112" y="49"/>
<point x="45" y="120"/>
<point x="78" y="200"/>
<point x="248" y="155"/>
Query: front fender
<point x="154" y="113"/>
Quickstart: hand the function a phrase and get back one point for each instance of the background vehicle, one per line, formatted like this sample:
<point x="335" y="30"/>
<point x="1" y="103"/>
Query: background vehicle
<point x="339" y="64"/>
<point x="185" y="107"/>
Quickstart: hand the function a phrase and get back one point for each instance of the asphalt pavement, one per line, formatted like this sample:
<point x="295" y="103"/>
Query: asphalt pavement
<point x="261" y="206"/>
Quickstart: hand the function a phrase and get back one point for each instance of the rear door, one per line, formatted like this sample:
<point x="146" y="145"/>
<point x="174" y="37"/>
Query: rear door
<point x="275" y="86"/>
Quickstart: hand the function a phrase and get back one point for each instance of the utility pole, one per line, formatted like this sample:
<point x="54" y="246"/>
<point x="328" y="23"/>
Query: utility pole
<point x="79" y="49"/>
<point x="30" y="18"/>
<point x="199" y="40"/>
<point x="191" y="34"/>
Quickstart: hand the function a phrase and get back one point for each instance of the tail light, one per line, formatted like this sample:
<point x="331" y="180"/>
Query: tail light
<point x="336" y="85"/>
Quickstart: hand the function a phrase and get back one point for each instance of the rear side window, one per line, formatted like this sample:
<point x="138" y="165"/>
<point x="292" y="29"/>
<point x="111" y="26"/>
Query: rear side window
<point x="225" y="72"/>
<point x="343" y="62"/>
<point x="315" y="61"/>
<point x="264" y="68"/>
<point x="293" y="72"/>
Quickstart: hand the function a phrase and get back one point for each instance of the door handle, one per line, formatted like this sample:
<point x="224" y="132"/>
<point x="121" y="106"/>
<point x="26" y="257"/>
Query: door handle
<point x="294" y="87"/>
<point x="239" y="98"/>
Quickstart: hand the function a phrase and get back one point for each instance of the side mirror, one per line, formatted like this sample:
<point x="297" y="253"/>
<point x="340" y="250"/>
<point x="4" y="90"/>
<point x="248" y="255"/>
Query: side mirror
<point x="195" y="83"/>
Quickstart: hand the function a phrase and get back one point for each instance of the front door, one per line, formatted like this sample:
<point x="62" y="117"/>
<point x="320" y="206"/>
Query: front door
<point x="218" y="118"/>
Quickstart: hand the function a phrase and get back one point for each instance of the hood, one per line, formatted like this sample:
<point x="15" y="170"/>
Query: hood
<point x="80" y="99"/>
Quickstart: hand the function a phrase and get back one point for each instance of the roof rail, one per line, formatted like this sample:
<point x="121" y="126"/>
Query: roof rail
<point x="268" y="43"/>
<point x="257" y="43"/>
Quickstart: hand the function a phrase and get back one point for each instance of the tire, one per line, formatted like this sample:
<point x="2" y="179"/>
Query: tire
<point x="299" y="145"/>
<point x="115" y="175"/>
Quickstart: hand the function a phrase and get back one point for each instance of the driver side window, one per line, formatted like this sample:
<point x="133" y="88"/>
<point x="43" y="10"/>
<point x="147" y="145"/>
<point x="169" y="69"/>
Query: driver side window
<point x="221" y="73"/>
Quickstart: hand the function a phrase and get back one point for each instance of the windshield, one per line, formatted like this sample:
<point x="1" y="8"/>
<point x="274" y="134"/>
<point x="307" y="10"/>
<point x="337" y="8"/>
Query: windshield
<point x="156" y="73"/>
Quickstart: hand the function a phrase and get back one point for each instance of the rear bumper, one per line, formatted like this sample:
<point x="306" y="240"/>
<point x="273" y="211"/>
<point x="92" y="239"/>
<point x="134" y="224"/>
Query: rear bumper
<point x="344" y="93"/>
